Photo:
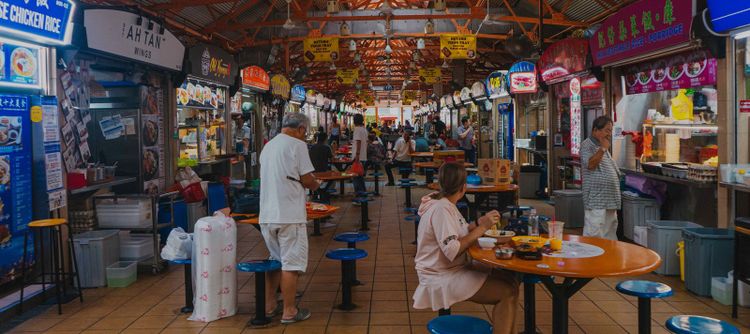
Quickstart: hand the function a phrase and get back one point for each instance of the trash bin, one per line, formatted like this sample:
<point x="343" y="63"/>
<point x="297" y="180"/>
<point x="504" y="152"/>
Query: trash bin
<point x="709" y="252"/>
<point x="663" y="236"/>
<point x="636" y="211"/>
<point x="195" y="211"/>
<point x="529" y="181"/>
<point x="95" y="251"/>
<point x="569" y="207"/>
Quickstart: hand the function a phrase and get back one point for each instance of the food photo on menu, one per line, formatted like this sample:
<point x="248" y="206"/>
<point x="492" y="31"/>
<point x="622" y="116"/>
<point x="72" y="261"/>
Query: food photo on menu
<point x="10" y="130"/>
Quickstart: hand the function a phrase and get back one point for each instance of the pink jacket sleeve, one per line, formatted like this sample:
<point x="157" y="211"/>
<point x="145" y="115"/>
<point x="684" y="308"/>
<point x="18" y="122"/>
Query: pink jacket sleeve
<point x="446" y="232"/>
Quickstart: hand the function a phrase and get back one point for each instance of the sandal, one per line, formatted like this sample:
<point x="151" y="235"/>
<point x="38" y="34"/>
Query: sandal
<point x="302" y="314"/>
<point x="276" y="311"/>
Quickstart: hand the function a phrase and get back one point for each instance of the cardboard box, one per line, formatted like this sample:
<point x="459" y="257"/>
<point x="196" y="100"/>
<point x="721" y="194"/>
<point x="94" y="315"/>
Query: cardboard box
<point x="448" y="155"/>
<point x="494" y="171"/>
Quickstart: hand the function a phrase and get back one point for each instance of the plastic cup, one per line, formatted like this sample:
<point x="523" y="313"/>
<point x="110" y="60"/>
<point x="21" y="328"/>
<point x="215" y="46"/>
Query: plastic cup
<point x="556" y="234"/>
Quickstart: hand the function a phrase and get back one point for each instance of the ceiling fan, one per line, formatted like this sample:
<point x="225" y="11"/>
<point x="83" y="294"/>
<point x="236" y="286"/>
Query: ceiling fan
<point x="518" y="45"/>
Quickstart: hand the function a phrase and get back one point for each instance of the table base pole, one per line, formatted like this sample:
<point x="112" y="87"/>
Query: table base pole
<point x="561" y="294"/>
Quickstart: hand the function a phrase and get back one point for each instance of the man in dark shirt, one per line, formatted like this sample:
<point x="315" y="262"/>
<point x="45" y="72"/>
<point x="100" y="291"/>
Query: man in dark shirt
<point x="439" y="126"/>
<point x="320" y="156"/>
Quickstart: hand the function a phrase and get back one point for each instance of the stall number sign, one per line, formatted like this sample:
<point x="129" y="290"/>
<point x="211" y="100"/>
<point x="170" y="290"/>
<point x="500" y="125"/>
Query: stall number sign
<point x="321" y="49"/>
<point x="430" y="75"/>
<point x="46" y="21"/>
<point x="745" y="106"/>
<point x="458" y="46"/>
<point x="347" y="76"/>
<point x="575" y="117"/>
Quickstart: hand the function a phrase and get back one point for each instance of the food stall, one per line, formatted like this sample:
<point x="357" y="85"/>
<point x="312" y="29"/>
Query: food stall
<point x="202" y="110"/>
<point x="253" y="103"/>
<point x="669" y="108"/>
<point x="562" y="67"/>
<point x="485" y="140"/>
<point x="28" y="105"/>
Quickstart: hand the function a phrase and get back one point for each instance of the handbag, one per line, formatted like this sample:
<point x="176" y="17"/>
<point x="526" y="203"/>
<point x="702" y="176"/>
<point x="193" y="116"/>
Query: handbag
<point x="357" y="168"/>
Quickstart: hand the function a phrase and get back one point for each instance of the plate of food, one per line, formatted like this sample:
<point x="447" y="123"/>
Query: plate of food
<point x="644" y="76"/>
<point x="631" y="78"/>
<point x="676" y="68"/>
<point x="533" y="241"/>
<point x="660" y="72"/>
<point x="150" y="164"/>
<point x="501" y="236"/>
<point x="191" y="91"/>
<point x="183" y="97"/>
<point x="317" y="207"/>
<point x="696" y="64"/>
<point x="23" y="63"/>
<point x="150" y="133"/>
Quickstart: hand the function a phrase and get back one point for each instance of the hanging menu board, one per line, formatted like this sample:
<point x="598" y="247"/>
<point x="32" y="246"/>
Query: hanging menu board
<point x="152" y="139"/>
<point x="200" y="94"/>
<point x="692" y="69"/>
<point x="15" y="181"/>
<point x="19" y="64"/>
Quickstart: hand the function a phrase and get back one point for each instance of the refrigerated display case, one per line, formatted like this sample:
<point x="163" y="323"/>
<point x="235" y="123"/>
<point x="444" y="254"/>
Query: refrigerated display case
<point x="201" y="121"/>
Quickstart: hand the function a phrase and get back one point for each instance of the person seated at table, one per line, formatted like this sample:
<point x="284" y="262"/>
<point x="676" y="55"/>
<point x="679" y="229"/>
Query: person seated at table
<point x="320" y="156"/>
<point x="375" y="152"/>
<point x="446" y="273"/>
<point x="422" y="145"/>
<point x="402" y="159"/>
<point x="437" y="143"/>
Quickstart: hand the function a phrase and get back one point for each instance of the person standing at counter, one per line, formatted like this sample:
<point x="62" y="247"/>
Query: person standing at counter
<point x="242" y="135"/>
<point x="466" y="138"/>
<point x="439" y="126"/>
<point x="427" y="127"/>
<point x="286" y="171"/>
<point x="334" y="132"/>
<point x="601" y="182"/>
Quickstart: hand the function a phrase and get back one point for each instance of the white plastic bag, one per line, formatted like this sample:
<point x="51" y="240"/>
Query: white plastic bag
<point x="179" y="245"/>
<point x="214" y="274"/>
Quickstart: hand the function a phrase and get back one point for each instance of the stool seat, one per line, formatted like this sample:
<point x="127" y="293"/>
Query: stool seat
<point x="411" y="210"/>
<point x="346" y="254"/>
<point x="407" y="185"/>
<point x="414" y="218"/>
<point x="406" y="180"/>
<point x="48" y="222"/>
<point x="519" y="207"/>
<point x="259" y="266"/>
<point x="364" y="193"/>
<point x="362" y="200"/>
<point x="377" y="174"/>
<point x="181" y="261"/>
<point x="693" y="324"/>
<point x="462" y="205"/>
<point x="458" y="324"/>
<point x="644" y="289"/>
<point x="351" y="237"/>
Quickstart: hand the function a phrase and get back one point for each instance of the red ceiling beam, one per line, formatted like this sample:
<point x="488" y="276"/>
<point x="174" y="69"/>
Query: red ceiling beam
<point x="186" y="3"/>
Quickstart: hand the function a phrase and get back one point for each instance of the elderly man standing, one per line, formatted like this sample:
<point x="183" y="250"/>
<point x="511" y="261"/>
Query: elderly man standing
<point x="285" y="172"/>
<point x="601" y="182"/>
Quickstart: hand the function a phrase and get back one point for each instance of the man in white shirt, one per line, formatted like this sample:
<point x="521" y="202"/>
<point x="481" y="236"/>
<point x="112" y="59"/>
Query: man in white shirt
<point x="285" y="172"/>
<point x="402" y="159"/>
<point x="359" y="150"/>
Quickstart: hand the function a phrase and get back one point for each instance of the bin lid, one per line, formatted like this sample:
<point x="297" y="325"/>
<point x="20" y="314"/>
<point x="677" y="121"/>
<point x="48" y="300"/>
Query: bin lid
<point x="568" y="192"/>
<point x="671" y="224"/>
<point x="96" y="235"/>
<point x="708" y="233"/>
<point x="628" y="196"/>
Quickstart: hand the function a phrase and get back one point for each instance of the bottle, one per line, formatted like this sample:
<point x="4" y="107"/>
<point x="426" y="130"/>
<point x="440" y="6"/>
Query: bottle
<point x="533" y="223"/>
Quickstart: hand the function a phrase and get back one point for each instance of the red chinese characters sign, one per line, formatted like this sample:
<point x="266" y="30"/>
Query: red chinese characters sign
<point x="642" y="27"/>
<point x="691" y="69"/>
<point x="563" y="58"/>
<point x="256" y="77"/>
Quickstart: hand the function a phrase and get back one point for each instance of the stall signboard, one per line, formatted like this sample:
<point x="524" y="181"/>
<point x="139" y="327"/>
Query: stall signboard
<point x="320" y="100"/>
<point x="685" y="70"/>
<point x="409" y="96"/>
<point x="458" y="46"/>
<point x="280" y="86"/>
<point x="727" y="15"/>
<point x="256" y="78"/>
<point x="522" y="78"/>
<point x="465" y="95"/>
<point x="347" y="76"/>
<point x="478" y="91"/>
<point x="575" y="117"/>
<point x="563" y="59"/>
<point x="430" y="75"/>
<point x="496" y="84"/>
<point x="43" y="21"/>
<point x="19" y="64"/>
<point x="321" y="49"/>
<point x="643" y="27"/>
<point x="447" y="101"/>
<point x="745" y="106"/>
<point x="213" y="64"/>
<point x="116" y="32"/>
<point x="298" y="93"/>
<point x="310" y="96"/>
<point x="200" y="94"/>
<point x="457" y="99"/>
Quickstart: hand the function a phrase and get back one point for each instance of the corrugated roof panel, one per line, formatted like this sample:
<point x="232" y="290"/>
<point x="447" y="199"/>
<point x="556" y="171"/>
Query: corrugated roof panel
<point x="582" y="10"/>
<point x="198" y="16"/>
<point x="226" y="6"/>
<point x="254" y="14"/>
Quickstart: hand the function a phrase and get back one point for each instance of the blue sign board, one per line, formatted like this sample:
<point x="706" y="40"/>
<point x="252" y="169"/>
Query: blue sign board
<point x="298" y="93"/>
<point x="19" y="64"/>
<point x="44" y="21"/>
<point x="728" y="15"/>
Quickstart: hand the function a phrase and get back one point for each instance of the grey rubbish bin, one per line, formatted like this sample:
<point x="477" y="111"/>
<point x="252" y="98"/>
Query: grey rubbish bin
<point x="709" y="252"/>
<point x="195" y="211"/>
<point x="529" y="181"/>
<point x="663" y="236"/>
<point x="569" y="207"/>
<point x="636" y="211"/>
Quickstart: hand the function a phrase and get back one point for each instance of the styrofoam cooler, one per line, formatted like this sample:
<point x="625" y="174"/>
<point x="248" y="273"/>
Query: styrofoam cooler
<point x="636" y="211"/>
<point x="95" y="250"/>
<point x="569" y="207"/>
<point x="124" y="213"/>
<point x="709" y="252"/>
<point x="663" y="236"/>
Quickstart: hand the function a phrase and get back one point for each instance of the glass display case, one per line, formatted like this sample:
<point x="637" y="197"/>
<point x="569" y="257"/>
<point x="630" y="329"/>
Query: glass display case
<point x="201" y="121"/>
<point x="685" y="143"/>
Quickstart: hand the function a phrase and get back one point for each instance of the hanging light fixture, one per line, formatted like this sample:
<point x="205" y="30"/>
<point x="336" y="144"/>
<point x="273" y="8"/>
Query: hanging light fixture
<point x="289" y="24"/>
<point x="387" y="49"/>
<point x="357" y="57"/>
<point x="352" y="44"/>
<point x="361" y="66"/>
<point x="344" y="29"/>
<point x="445" y="64"/>
<point x="420" y="44"/>
<point x="386" y="8"/>
<point x="333" y="66"/>
<point x="439" y="5"/>
<point x="429" y="27"/>
<point x="332" y="7"/>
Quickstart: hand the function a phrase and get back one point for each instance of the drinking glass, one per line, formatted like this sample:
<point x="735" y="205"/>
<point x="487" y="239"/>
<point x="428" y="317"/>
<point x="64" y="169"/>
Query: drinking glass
<point x="556" y="234"/>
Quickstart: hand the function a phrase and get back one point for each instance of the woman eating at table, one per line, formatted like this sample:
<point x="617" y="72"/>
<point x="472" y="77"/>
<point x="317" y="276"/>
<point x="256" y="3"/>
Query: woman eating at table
<point x="446" y="273"/>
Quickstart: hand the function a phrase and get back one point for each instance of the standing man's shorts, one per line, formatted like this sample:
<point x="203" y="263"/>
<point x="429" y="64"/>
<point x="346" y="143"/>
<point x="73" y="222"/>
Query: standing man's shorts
<point x="600" y="223"/>
<point x="287" y="244"/>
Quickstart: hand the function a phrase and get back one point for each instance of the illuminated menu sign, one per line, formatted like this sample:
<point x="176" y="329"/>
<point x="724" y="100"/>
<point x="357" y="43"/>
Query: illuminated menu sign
<point x="44" y="21"/>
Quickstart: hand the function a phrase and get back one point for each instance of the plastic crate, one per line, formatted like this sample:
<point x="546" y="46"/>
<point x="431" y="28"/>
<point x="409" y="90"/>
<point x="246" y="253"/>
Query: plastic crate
<point x="636" y="211"/>
<point x="569" y="207"/>
<point x="709" y="252"/>
<point x="122" y="273"/>
<point x="663" y="236"/>
<point x="95" y="250"/>
<point x="136" y="248"/>
<point x="124" y="213"/>
<point x="721" y="290"/>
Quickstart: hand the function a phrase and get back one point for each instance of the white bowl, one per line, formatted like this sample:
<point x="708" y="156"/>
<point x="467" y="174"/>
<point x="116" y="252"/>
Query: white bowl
<point x="486" y="243"/>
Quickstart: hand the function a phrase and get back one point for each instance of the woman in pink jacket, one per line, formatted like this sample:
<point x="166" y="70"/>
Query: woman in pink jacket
<point x="446" y="273"/>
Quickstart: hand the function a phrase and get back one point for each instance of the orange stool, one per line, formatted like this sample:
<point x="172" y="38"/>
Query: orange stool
<point x="51" y="229"/>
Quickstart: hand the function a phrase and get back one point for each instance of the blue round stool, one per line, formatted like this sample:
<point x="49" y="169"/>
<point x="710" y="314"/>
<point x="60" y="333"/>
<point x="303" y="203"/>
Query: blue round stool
<point x="693" y="324"/>
<point x="351" y="239"/>
<point x="415" y="219"/>
<point x="187" y="266"/>
<point x="348" y="258"/>
<point x="376" y="178"/>
<point x="645" y="291"/>
<point x="259" y="267"/>
<point x="518" y="210"/>
<point x="364" y="212"/>
<point x="406" y="185"/>
<point x="458" y="324"/>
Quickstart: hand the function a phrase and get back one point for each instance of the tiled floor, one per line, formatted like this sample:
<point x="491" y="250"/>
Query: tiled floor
<point x="151" y="305"/>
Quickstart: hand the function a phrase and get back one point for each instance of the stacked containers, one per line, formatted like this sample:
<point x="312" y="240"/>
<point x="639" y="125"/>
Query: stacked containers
<point x="663" y="236"/>
<point x="709" y="252"/>
<point x="636" y="211"/>
<point x="95" y="251"/>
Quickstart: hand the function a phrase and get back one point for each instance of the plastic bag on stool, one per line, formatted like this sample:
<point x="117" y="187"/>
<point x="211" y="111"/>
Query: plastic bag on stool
<point x="214" y="274"/>
<point x="179" y="245"/>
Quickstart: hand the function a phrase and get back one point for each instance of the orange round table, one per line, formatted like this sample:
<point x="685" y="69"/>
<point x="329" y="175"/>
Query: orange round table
<point x="422" y="155"/>
<point x="620" y="259"/>
<point x="431" y="166"/>
<point x="316" y="216"/>
<point x="334" y="176"/>
<point x="341" y="163"/>
<point x="481" y="193"/>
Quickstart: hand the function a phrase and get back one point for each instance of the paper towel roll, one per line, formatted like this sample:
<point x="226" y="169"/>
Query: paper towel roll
<point x="672" y="147"/>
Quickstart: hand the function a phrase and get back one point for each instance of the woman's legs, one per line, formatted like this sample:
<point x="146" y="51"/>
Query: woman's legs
<point x="500" y="289"/>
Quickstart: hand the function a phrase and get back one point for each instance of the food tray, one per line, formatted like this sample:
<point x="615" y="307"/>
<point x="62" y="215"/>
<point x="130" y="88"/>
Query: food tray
<point x="651" y="167"/>
<point x="675" y="170"/>
<point x="702" y="173"/>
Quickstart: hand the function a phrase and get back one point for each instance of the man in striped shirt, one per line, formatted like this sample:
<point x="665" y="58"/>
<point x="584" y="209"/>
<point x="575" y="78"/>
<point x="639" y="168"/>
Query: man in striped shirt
<point x="601" y="182"/>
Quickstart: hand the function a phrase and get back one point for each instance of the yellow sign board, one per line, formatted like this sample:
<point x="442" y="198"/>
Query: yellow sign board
<point x="280" y="86"/>
<point x="430" y="75"/>
<point x="458" y="46"/>
<point x="347" y="76"/>
<point x="321" y="49"/>
<point x="409" y="97"/>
